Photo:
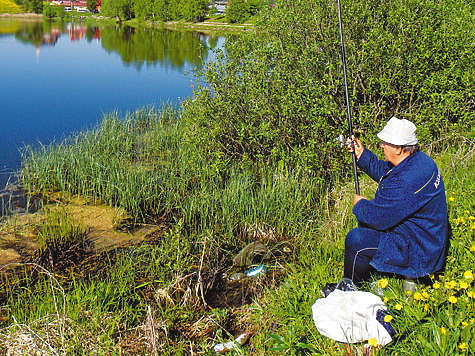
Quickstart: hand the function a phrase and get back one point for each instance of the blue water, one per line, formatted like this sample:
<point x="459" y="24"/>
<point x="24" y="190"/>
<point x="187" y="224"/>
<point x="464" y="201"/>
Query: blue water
<point x="52" y="91"/>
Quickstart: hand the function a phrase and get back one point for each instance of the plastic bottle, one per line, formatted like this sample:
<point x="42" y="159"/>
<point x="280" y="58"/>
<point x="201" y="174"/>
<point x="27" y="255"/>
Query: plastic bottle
<point x="228" y="346"/>
<point x="256" y="271"/>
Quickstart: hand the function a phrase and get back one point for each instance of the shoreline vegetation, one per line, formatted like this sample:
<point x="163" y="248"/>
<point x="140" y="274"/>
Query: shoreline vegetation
<point x="248" y="196"/>
<point x="206" y="26"/>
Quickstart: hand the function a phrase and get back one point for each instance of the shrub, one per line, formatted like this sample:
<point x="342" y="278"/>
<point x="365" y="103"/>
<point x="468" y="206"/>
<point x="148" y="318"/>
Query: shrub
<point x="237" y="11"/>
<point x="279" y="96"/>
<point x="9" y="7"/>
<point x="49" y="11"/>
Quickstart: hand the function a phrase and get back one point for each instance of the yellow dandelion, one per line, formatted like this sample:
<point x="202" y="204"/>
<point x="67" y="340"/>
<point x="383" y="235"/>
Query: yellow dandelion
<point x="464" y="285"/>
<point x="450" y="284"/>
<point x="470" y="294"/>
<point x="417" y="296"/>
<point x="436" y="285"/>
<point x="452" y="299"/>
<point x="388" y="318"/>
<point x="398" y="307"/>
<point x="425" y="295"/>
<point x="472" y="248"/>
<point x="472" y="321"/>
<point x="463" y="346"/>
<point x="383" y="283"/>
<point x="443" y="331"/>
<point x="464" y="323"/>
<point x="408" y="292"/>
<point x="372" y="342"/>
<point x="471" y="217"/>
<point x="467" y="212"/>
<point x="385" y="299"/>
<point x="468" y="274"/>
<point x="426" y="307"/>
<point x="451" y="199"/>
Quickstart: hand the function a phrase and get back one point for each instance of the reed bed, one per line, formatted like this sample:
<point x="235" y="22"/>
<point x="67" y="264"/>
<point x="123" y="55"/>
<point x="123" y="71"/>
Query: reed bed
<point x="145" y="164"/>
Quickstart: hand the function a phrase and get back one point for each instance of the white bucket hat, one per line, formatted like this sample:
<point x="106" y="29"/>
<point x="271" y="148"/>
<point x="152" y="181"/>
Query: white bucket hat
<point x="400" y="132"/>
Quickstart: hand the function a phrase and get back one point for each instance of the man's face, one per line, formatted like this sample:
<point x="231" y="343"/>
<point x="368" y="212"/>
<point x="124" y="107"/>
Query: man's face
<point x="391" y="152"/>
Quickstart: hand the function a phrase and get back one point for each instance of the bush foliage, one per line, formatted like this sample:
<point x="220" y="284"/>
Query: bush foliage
<point x="9" y="7"/>
<point x="35" y="6"/>
<point x="279" y="96"/>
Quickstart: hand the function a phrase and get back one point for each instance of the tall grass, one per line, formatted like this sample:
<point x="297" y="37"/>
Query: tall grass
<point x="146" y="164"/>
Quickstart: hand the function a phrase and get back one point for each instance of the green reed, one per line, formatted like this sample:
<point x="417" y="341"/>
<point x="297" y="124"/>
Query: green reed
<point x="145" y="163"/>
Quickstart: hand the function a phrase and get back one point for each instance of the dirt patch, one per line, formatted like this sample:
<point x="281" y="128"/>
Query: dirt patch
<point x="107" y="226"/>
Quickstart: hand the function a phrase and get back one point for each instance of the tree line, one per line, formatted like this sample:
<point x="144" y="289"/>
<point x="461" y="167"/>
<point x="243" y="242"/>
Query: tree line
<point x="237" y="11"/>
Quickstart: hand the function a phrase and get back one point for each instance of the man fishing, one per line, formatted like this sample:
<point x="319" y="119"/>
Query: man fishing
<point x="403" y="230"/>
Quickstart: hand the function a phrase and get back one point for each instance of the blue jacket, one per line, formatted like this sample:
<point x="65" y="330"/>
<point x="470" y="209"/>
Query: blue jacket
<point x="411" y="208"/>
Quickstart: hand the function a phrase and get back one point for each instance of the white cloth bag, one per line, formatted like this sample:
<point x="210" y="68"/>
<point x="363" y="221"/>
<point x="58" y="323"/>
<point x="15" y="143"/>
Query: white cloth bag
<point x="350" y="317"/>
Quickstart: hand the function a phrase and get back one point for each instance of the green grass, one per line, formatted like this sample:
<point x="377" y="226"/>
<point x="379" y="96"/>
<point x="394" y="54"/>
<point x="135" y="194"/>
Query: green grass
<point x="154" y="297"/>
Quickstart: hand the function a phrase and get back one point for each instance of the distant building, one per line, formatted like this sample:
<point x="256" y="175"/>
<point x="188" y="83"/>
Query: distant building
<point x="82" y="4"/>
<point x="69" y="3"/>
<point x="220" y="5"/>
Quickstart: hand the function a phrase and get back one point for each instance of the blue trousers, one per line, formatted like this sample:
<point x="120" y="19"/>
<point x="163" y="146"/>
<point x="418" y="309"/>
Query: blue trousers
<point x="361" y="245"/>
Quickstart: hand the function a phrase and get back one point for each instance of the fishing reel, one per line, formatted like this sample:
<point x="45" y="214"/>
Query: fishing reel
<point x="343" y="140"/>
<point x="346" y="140"/>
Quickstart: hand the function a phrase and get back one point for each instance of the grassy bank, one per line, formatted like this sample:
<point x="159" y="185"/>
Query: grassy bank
<point x="179" y="291"/>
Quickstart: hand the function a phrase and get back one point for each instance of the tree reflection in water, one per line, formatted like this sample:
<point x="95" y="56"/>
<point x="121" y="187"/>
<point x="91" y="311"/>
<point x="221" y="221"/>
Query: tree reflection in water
<point x="136" y="46"/>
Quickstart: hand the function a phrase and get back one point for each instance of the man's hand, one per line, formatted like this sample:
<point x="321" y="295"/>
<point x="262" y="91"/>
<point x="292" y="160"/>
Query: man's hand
<point x="356" y="146"/>
<point x="357" y="198"/>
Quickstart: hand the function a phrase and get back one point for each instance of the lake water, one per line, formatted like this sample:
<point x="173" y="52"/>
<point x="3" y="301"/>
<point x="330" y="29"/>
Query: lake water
<point x="60" y="78"/>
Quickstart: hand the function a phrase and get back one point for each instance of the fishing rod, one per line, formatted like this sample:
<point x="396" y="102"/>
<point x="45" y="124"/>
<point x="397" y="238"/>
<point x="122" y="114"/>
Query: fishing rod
<point x="350" y="127"/>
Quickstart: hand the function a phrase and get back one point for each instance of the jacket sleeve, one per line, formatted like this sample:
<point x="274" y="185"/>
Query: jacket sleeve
<point x="372" y="166"/>
<point x="392" y="204"/>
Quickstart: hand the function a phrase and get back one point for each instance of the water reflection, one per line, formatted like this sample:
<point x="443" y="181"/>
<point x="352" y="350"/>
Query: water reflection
<point x="136" y="46"/>
<point x="152" y="46"/>
<point x="82" y="71"/>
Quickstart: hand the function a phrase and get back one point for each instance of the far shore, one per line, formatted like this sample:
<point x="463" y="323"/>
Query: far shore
<point x="208" y="25"/>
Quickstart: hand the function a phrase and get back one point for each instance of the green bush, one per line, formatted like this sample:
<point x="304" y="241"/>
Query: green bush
<point x="60" y="12"/>
<point x="49" y="11"/>
<point x="278" y="95"/>
<point x="237" y="11"/>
